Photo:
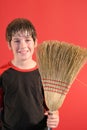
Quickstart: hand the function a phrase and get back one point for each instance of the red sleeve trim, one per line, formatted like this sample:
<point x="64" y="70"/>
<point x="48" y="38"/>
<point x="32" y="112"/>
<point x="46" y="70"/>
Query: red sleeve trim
<point x="4" y="68"/>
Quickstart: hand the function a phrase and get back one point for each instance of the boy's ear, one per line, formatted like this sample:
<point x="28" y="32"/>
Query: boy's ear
<point x="35" y="44"/>
<point x="9" y="46"/>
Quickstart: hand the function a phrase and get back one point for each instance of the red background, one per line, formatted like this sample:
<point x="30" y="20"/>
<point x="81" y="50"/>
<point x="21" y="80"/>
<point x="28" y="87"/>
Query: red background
<point x="64" y="20"/>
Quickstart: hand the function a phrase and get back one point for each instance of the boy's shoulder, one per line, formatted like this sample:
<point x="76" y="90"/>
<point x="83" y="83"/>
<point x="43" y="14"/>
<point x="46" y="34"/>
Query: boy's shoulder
<point x="4" y="67"/>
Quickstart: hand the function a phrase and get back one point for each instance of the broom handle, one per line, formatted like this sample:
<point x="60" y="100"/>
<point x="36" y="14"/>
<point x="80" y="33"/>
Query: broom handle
<point x="49" y="128"/>
<point x="50" y="113"/>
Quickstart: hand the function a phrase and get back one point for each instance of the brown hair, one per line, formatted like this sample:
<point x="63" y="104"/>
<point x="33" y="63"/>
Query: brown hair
<point x="20" y="24"/>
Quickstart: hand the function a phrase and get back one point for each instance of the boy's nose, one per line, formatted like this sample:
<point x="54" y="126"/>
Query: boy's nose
<point x="23" y="44"/>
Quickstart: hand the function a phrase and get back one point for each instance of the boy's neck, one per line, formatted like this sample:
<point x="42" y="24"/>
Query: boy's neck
<point x="27" y="64"/>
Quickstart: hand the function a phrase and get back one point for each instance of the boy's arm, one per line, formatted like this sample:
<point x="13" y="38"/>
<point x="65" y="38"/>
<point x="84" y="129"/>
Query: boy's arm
<point x="1" y="96"/>
<point x="1" y="93"/>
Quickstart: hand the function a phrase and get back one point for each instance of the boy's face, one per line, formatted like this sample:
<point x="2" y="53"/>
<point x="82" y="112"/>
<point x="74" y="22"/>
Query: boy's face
<point x="22" y="46"/>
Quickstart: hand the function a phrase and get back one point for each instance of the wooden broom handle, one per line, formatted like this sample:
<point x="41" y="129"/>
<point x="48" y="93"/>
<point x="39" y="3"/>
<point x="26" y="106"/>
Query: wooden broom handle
<point x="49" y="128"/>
<point x="49" y="114"/>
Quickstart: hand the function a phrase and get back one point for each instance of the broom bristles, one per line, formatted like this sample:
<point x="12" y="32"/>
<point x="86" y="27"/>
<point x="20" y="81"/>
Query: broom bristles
<point x="59" y="63"/>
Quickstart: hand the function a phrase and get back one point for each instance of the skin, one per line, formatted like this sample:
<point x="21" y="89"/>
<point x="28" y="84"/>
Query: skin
<point x="53" y="119"/>
<point x="22" y="46"/>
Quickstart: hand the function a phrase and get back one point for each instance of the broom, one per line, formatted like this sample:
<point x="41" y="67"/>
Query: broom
<point x="58" y="63"/>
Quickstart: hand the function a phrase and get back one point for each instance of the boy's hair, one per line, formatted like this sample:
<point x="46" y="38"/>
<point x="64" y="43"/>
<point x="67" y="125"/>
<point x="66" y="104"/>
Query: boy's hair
<point x="20" y="24"/>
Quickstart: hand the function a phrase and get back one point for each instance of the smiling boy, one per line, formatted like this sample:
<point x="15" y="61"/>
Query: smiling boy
<point x="23" y="96"/>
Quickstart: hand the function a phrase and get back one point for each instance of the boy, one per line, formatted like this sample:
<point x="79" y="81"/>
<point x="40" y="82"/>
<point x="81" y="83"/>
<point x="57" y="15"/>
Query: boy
<point x="23" y="96"/>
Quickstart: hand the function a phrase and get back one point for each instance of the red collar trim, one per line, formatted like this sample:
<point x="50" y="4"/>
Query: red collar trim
<point x="22" y="70"/>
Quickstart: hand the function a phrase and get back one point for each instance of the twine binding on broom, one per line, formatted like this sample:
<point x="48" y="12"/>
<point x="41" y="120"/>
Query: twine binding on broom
<point x="55" y="86"/>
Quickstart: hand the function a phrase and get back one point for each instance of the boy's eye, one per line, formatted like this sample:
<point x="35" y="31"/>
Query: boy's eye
<point x="17" y="41"/>
<point x="27" y="40"/>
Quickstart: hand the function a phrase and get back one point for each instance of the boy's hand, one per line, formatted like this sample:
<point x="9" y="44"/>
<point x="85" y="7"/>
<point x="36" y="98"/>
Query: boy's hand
<point x="53" y="119"/>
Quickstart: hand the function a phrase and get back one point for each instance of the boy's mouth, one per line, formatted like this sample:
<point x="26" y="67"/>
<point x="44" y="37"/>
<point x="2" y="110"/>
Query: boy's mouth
<point x="23" y="51"/>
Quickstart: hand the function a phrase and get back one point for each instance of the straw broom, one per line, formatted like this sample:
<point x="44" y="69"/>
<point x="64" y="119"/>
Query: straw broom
<point x="59" y="63"/>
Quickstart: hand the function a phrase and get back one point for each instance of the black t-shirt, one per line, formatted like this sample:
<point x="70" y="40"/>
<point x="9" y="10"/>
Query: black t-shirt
<point x="23" y="99"/>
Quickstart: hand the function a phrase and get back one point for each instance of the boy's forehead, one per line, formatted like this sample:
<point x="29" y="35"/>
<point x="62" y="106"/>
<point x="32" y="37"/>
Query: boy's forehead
<point x="21" y="34"/>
